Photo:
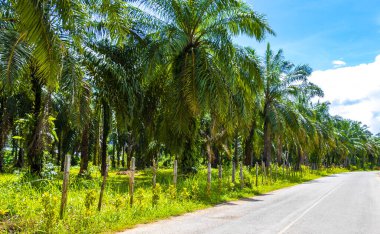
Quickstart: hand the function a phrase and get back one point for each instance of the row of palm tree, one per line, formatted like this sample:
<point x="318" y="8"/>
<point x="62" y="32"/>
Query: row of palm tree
<point x="151" y="78"/>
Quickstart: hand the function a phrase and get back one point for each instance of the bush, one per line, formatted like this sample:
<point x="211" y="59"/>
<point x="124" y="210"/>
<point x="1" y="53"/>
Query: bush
<point x="172" y="192"/>
<point x="50" y="214"/>
<point x="156" y="194"/>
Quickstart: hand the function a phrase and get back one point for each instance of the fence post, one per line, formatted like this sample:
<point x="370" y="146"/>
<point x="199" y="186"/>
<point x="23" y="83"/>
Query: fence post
<point x="220" y="171"/>
<point x="132" y="181"/>
<point x="175" y="173"/>
<point x="65" y="184"/>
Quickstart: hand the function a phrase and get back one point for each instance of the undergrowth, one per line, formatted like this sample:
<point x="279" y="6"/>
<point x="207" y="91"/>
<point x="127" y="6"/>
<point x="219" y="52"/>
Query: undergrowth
<point x="31" y="205"/>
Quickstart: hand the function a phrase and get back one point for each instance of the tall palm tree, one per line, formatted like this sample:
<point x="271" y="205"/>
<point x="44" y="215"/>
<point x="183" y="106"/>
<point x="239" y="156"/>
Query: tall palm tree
<point x="191" y="52"/>
<point x="115" y="72"/>
<point x="283" y="83"/>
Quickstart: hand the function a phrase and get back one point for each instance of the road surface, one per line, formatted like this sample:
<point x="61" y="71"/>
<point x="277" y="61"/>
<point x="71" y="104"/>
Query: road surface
<point x="343" y="203"/>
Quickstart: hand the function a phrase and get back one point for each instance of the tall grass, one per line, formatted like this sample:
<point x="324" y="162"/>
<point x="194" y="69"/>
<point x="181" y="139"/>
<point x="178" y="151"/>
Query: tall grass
<point x="31" y="205"/>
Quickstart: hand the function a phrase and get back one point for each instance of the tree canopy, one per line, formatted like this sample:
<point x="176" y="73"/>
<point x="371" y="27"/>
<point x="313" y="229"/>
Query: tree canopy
<point x="159" y="79"/>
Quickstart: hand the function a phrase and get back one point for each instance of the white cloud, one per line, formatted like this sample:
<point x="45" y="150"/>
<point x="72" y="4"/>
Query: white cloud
<point x="338" y="63"/>
<point x="354" y="92"/>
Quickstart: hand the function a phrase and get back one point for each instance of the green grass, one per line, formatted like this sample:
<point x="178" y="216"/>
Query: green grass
<point x="30" y="205"/>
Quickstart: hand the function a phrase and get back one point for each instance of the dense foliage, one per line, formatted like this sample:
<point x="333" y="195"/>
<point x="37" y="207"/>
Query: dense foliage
<point x="105" y="81"/>
<point x="158" y="79"/>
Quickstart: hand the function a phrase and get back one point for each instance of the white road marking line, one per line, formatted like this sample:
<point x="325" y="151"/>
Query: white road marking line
<point x="308" y="209"/>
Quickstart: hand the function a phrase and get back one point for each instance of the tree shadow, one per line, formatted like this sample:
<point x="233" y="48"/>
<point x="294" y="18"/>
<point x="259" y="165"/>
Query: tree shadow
<point x="312" y="182"/>
<point x="251" y="200"/>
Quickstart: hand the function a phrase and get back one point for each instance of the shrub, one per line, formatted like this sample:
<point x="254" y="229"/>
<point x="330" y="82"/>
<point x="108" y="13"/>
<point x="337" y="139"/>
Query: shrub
<point x="139" y="195"/>
<point x="185" y="194"/>
<point x="50" y="215"/>
<point x="172" y="190"/>
<point x="194" y="190"/>
<point x="231" y="186"/>
<point x="156" y="194"/>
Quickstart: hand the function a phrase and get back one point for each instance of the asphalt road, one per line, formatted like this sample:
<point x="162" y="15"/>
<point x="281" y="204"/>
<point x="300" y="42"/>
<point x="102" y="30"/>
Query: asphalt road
<point x="343" y="203"/>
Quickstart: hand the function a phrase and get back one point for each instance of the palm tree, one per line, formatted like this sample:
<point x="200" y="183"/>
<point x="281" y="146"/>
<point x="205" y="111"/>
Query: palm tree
<point x="191" y="51"/>
<point x="35" y="54"/>
<point x="115" y="74"/>
<point x="283" y="83"/>
<point x="50" y="31"/>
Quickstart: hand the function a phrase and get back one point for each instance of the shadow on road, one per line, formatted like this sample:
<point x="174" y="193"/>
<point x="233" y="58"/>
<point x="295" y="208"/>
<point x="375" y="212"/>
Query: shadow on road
<point x="313" y="182"/>
<point x="250" y="199"/>
<point x="241" y="199"/>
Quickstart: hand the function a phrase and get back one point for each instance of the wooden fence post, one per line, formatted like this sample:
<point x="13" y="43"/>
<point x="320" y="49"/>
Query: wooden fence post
<point x="220" y="171"/>
<point x="132" y="181"/>
<point x="175" y="173"/>
<point x="241" y="176"/>
<point x="65" y="184"/>
<point x="154" y="170"/>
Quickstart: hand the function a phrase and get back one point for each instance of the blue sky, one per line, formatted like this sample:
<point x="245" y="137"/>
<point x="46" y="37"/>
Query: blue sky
<point x="318" y="32"/>
<point x="340" y="40"/>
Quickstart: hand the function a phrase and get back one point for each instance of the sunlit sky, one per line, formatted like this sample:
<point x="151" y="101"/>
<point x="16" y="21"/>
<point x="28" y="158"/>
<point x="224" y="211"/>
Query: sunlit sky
<point x="340" y="40"/>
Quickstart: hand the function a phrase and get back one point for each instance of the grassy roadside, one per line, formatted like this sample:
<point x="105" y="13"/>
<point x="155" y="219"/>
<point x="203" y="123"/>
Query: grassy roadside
<point x="29" y="205"/>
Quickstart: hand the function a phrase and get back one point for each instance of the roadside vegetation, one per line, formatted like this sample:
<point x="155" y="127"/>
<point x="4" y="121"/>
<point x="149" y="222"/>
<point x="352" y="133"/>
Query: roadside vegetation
<point x="92" y="88"/>
<point x="32" y="204"/>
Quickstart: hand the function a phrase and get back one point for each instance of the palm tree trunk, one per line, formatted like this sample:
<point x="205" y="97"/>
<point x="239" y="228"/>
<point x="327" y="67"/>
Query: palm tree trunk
<point x="59" y="147"/>
<point x="14" y="146"/>
<point x="95" y="159"/>
<point x="299" y="159"/>
<point x="248" y="147"/>
<point x="113" y="154"/>
<point x="188" y="159"/>
<point x="267" y="143"/>
<point x="19" y="156"/>
<point x="118" y="151"/>
<point x="3" y="130"/>
<point x="236" y="145"/>
<point x="279" y="151"/>
<point x="123" y="154"/>
<point x="20" y="153"/>
<point x="64" y="151"/>
<point x="106" y="129"/>
<point x="84" y="149"/>
<point x="210" y="153"/>
<point x="216" y="159"/>
<point x="35" y="147"/>
<point x="1" y="161"/>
